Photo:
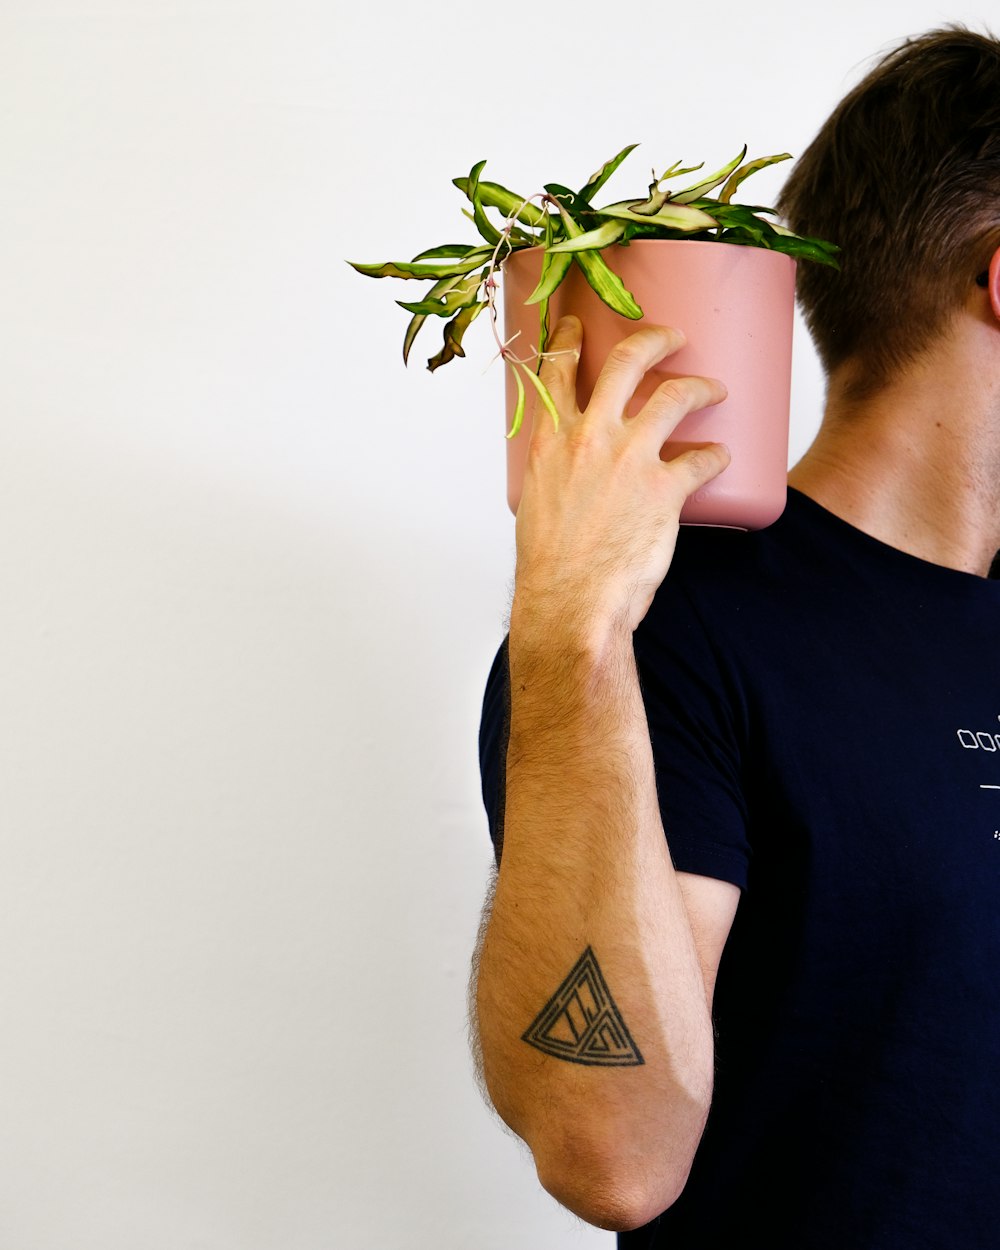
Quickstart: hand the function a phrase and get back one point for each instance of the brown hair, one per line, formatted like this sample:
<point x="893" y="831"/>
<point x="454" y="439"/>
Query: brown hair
<point x="905" y="176"/>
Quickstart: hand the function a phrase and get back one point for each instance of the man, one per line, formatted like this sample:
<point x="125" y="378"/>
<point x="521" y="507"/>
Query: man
<point x="749" y="810"/>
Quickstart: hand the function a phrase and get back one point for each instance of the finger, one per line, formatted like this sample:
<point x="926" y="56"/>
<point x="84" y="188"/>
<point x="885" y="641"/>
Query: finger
<point x="558" y="370"/>
<point x="675" y="399"/>
<point x="697" y="466"/>
<point x="627" y="364"/>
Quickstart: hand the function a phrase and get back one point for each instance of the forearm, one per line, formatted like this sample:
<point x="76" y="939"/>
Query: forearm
<point x="585" y="865"/>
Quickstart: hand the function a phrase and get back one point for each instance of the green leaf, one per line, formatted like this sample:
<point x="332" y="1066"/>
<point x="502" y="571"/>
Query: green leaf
<point x="651" y="205"/>
<point x="674" y="172"/>
<point x="740" y="234"/>
<point x="459" y="295"/>
<point x="738" y="175"/>
<point x="739" y="216"/>
<point x="635" y="231"/>
<point x="452" y="249"/>
<point x="411" y="333"/>
<point x="554" y="269"/>
<point x="713" y="180"/>
<point x="802" y="248"/>
<point x="543" y="327"/>
<point x="518" y="417"/>
<point x="544" y="396"/>
<point x="610" y="232"/>
<point x="718" y="209"/>
<point x="605" y="283"/>
<point x="596" y="181"/>
<point x="566" y="197"/>
<point x="657" y="198"/>
<point x="823" y="244"/>
<point x="568" y="202"/>
<point x="438" y="289"/>
<point x="485" y="227"/>
<point x="400" y="269"/>
<point x="548" y="263"/>
<point x="493" y="195"/>
<point x="454" y="332"/>
<point x="608" y="285"/>
<point x="674" y="216"/>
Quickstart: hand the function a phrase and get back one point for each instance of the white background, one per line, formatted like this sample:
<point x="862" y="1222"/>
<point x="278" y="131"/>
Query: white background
<point x="254" y="573"/>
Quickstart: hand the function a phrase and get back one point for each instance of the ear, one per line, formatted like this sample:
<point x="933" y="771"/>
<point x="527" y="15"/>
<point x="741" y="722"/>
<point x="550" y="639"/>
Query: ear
<point x="993" y="283"/>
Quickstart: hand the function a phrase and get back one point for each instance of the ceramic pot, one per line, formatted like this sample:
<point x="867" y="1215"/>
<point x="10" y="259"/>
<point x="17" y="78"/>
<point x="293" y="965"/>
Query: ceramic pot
<point x="735" y="306"/>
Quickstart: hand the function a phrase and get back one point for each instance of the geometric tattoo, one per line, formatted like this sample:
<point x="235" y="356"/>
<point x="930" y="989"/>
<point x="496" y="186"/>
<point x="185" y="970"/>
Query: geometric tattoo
<point x="581" y="1023"/>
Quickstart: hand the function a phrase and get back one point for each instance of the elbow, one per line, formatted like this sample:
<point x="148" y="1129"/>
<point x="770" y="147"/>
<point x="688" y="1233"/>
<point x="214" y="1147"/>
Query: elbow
<point x="616" y="1200"/>
<point x="621" y="1186"/>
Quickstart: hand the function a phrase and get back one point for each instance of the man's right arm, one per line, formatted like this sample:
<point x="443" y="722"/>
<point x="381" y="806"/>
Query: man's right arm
<point x="593" y="992"/>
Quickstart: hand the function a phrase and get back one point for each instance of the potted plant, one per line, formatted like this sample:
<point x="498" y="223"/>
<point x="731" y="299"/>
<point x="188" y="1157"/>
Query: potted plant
<point x="657" y="257"/>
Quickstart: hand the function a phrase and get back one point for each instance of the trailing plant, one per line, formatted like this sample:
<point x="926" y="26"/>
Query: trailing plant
<point x="573" y="231"/>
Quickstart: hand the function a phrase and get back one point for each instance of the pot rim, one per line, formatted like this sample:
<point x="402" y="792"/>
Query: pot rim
<point x="714" y="244"/>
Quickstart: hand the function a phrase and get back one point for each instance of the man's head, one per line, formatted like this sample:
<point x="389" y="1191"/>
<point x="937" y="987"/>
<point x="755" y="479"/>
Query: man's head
<point x="905" y="176"/>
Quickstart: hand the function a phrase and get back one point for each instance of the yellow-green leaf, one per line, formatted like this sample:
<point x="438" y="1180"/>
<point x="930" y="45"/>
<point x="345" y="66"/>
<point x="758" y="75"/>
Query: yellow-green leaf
<point x="518" y="417"/>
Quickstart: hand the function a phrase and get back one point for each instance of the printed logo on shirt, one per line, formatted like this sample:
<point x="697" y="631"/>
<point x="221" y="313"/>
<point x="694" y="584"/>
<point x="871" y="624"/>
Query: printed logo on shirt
<point x="981" y="740"/>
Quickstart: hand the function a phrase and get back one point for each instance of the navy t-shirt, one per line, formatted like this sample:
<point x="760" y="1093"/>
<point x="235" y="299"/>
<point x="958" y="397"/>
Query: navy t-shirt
<point x="825" y="717"/>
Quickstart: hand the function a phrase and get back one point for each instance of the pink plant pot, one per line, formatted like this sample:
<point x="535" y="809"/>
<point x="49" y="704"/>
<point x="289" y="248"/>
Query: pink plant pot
<point x="735" y="306"/>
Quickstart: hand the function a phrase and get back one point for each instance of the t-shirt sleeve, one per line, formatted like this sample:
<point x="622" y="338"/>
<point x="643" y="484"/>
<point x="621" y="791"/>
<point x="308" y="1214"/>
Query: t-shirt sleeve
<point x="494" y="730"/>
<point x="696" y="727"/>
<point x="694" y="720"/>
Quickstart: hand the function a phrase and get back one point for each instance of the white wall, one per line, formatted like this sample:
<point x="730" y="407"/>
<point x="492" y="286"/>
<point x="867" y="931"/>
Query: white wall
<point x="253" y="576"/>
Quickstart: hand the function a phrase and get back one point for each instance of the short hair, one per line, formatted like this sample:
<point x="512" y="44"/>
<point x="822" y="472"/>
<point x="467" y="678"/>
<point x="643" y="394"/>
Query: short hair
<point x="905" y="177"/>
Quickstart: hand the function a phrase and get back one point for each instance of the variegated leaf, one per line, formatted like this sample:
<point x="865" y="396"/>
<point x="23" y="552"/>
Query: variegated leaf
<point x="603" y="236"/>
<point x="454" y="332"/>
<point x="674" y="216"/>
<point x="706" y="184"/>
<point x="752" y="167"/>
<point x="598" y="179"/>
<point x="402" y="269"/>
<point x="495" y="196"/>
<point x="463" y="293"/>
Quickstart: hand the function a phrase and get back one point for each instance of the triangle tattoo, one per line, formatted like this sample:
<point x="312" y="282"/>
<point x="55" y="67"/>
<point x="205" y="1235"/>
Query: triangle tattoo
<point x="581" y="1022"/>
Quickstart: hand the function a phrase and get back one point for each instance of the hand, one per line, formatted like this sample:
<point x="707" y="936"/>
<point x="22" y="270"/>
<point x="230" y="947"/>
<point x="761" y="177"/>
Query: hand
<point x="599" y="512"/>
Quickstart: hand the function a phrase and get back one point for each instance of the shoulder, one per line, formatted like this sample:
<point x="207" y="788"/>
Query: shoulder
<point x="708" y="554"/>
<point x="721" y="572"/>
<point x="734" y="602"/>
